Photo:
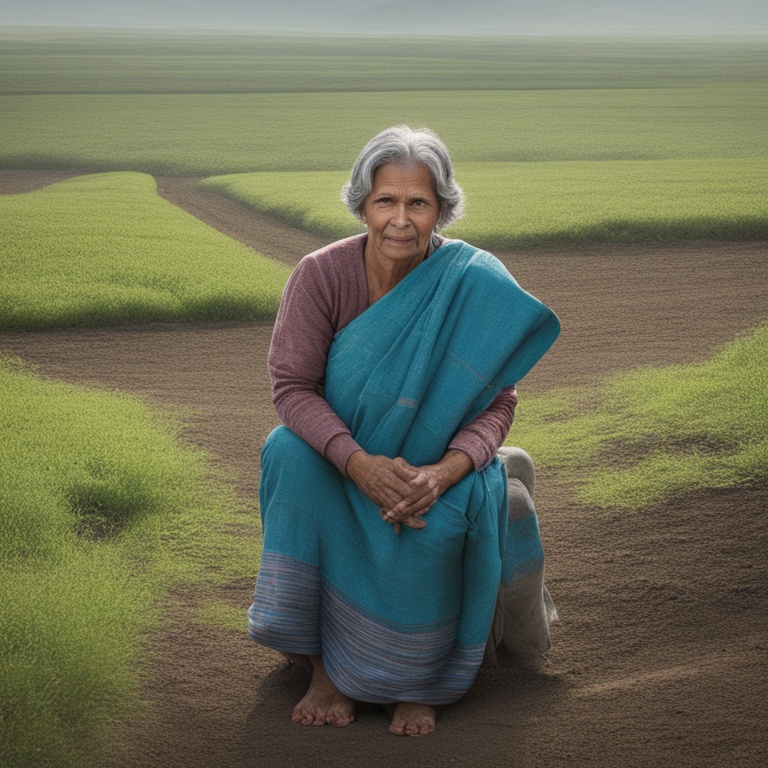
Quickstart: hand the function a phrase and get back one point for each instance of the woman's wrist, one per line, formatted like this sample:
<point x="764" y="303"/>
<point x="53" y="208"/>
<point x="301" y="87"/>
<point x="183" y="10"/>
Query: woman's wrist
<point x="355" y="463"/>
<point x="453" y="467"/>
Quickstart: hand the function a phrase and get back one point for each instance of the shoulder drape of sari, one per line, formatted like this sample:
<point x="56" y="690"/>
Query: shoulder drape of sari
<point x="400" y="618"/>
<point x="432" y="353"/>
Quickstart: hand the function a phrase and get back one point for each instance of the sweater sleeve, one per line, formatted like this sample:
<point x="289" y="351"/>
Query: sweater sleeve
<point x="485" y="434"/>
<point x="304" y="329"/>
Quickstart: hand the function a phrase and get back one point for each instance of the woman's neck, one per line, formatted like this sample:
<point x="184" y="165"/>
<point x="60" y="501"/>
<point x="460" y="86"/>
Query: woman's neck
<point x="383" y="276"/>
<point x="381" y="280"/>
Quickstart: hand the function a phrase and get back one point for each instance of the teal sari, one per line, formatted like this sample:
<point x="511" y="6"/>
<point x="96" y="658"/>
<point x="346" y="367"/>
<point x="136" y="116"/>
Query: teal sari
<point x="402" y="618"/>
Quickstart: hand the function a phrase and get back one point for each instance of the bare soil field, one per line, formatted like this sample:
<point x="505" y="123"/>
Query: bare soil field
<point x="659" y="658"/>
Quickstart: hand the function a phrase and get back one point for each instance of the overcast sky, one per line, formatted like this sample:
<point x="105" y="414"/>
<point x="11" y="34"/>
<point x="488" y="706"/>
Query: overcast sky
<point x="533" y="16"/>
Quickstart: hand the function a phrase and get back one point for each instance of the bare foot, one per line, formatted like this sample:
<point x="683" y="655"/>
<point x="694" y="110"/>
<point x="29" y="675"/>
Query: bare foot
<point x="410" y="719"/>
<point x="323" y="702"/>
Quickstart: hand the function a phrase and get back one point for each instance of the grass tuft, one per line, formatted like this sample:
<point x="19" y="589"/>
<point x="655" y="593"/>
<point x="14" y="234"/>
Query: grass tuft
<point x="658" y="432"/>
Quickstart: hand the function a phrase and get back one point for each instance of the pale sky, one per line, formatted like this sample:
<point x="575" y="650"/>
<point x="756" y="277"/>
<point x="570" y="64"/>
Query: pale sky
<point x="404" y="16"/>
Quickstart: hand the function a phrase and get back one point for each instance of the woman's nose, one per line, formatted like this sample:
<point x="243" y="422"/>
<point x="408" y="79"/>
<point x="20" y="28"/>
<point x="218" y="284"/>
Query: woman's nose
<point x="400" y="216"/>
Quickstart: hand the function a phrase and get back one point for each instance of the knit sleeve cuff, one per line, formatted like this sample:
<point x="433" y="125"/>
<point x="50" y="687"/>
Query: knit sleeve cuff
<point x="338" y="450"/>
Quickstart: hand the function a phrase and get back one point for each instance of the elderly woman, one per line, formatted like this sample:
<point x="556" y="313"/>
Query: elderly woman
<point x="394" y="361"/>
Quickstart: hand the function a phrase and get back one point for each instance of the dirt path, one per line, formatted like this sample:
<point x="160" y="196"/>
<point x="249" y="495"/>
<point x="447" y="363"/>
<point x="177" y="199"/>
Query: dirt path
<point x="660" y="655"/>
<point x="262" y="233"/>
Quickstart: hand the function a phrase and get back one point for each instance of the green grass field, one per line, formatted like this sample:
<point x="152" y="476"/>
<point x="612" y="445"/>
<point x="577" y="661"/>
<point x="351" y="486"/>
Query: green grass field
<point x="512" y="204"/>
<point x="38" y="60"/>
<point x="102" y="510"/>
<point x="227" y="103"/>
<point x="210" y="134"/>
<point x="556" y="140"/>
<point x="106" y="250"/>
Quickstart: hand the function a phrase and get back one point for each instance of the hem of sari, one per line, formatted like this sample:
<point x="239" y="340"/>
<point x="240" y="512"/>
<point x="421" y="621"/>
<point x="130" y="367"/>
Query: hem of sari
<point x="368" y="657"/>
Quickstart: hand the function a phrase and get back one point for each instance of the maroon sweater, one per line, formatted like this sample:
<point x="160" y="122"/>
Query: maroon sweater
<point x="326" y="291"/>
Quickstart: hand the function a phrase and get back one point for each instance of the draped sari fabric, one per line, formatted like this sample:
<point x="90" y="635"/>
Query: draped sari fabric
<point x="402" y="618"/>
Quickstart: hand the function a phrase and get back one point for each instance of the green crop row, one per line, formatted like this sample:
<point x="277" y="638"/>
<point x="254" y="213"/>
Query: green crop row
<point x="232" y="133"/>
<point x="107" y="250"/>
<point x="510" y="204"/>
<point x="652" y="435"/>
<point x="102" y="511"/>
<point x="36" y="60"/>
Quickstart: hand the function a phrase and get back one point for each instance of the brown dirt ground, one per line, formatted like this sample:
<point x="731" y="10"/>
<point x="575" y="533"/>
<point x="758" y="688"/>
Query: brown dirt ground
<point x="660" y="655"/>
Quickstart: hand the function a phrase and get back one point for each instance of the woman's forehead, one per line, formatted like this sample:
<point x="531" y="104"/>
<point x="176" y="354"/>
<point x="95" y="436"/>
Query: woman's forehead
<point x="403" y="175"/>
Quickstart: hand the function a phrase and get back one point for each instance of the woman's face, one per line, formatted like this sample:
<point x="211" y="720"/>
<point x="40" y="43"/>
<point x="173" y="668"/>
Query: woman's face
<point x="400" y="212"/>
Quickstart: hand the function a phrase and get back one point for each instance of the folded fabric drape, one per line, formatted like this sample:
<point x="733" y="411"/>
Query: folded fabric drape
<point x="402" y="618"/>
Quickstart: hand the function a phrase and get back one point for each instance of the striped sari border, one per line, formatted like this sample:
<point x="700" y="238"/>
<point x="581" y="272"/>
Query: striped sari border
<point x="286" y="605"/>
<point x="372" y="660"/>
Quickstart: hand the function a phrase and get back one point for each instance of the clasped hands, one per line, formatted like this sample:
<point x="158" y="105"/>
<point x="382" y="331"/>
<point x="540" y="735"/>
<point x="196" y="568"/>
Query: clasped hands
<point x="402" y="492"/>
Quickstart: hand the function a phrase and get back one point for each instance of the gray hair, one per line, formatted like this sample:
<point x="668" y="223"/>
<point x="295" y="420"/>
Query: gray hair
<point x="402" y="144"/>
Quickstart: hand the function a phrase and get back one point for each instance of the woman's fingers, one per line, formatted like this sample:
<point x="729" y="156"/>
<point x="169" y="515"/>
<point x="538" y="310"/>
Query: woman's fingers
<point x="413" y="522"/>
<point x="405" y="471"/>
<point x="385" y="481"/>
<point x="409" y="522"/>
<point x="418" y="502"/>
<point x="402" y="492"/>
<point x="430" y="482"/>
